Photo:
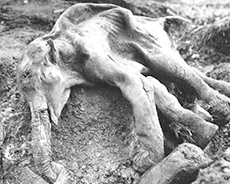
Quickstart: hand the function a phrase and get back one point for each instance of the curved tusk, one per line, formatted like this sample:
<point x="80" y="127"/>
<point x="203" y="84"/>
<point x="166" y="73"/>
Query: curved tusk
<point x="53" y="117"/>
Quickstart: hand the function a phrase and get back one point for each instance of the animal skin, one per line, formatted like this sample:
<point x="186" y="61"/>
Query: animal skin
<point x="103" y="43"/>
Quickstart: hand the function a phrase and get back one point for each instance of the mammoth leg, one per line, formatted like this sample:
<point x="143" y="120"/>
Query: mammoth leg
<point x="140" y="93"/>
<point x="219" y="85"/>
<point x="195" y="129"/>
<point x="170" y="64"/>
<point x="41" y="134"/>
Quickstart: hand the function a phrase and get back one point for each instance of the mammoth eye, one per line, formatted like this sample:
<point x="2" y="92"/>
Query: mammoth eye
<point x="26" y="74"/>
<point x="51" y="53"/>
<point x="168" y="21"/>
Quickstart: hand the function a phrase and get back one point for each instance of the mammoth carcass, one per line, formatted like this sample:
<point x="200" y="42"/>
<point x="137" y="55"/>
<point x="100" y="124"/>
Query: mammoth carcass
<point x="102" y="43"/>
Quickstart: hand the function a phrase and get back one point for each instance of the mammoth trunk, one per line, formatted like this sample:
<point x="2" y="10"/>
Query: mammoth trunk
<point x="41" y="134"/>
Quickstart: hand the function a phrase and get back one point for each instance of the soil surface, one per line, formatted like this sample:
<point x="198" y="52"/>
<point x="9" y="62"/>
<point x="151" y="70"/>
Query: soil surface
<point x="94" y="135"/>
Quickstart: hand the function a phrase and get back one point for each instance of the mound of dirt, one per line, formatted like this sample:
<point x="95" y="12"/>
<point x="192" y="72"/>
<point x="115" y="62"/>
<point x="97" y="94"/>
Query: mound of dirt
<point x="208" y="44"/>
<point x="217" y="172"/>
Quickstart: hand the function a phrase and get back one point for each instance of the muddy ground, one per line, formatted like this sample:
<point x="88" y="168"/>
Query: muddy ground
<point x="94" y="134"/>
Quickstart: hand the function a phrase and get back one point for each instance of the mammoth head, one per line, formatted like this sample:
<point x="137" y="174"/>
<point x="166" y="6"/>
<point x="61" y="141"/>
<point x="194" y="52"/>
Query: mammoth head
<point x="41" y="78"/>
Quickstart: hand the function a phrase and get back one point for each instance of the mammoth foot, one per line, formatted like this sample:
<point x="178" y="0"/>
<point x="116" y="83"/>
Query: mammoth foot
<point x="183" y="161"/>
<point x="219" y="108"/>
<point x="216" y="98"/>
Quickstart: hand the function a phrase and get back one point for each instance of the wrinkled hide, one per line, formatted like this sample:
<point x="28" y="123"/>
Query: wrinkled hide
<point x="58" y="60"/>
<point x="91" y="44"/>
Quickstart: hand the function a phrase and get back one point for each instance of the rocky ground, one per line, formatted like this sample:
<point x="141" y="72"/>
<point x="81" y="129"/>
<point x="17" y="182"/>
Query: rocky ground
<point x="94" y="134"/>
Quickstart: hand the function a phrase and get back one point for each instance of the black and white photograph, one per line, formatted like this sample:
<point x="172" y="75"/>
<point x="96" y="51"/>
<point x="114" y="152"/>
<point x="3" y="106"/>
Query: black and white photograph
<point x="114" y="92"/>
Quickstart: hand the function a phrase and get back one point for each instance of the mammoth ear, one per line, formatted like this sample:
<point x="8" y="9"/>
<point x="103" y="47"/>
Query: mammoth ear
<point x="169" y="20"/>
<point x="52" y="52"/>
